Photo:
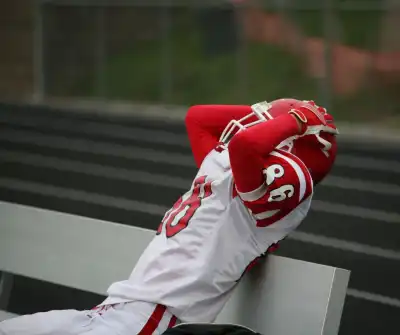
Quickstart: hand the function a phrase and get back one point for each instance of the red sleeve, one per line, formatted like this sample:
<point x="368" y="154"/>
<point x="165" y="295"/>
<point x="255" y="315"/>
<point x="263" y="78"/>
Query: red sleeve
<point x="249" y="148"/>
<point x="205" y="123"/>
<point x="287" y="183"/>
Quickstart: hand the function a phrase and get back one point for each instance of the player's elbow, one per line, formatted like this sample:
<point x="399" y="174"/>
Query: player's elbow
<point x="239" y="144"/>
<point x="241" y="150"/>
<point x="193" y="114"/>
<point x="246" y="163"/>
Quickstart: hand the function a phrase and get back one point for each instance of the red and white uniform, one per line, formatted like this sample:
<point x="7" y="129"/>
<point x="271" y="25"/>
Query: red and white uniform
<point x="246" y="197"/>
<point x="243" y="201"/>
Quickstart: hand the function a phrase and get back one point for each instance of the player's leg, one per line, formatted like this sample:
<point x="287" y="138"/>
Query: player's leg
<point x="59" y="322"/>
<point x="130" y="318"/>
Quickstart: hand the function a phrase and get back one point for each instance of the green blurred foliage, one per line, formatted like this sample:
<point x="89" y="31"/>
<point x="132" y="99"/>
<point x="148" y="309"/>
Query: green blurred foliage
<point x="245" y="74"/>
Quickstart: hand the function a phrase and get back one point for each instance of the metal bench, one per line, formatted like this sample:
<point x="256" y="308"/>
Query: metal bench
<point x="281" y="297"/>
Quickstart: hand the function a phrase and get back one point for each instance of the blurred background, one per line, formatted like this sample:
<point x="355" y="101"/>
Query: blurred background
<point x="79" y="80"/>
<point x="345" y="53"/>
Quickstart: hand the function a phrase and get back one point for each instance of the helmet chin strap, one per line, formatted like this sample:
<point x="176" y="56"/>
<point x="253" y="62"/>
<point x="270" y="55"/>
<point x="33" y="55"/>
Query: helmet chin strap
<point x="327" y="145"/>
<point x="288" y="144"/>
<point x="316" y="130"/>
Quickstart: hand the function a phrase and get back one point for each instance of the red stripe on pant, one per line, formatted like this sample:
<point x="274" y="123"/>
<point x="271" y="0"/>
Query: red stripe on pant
<point x="155" y="319"/>
<point x="172" y="322"/>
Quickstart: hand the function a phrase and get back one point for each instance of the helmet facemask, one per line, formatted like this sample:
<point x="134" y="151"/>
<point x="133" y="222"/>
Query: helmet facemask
<point x="259" y="114"/>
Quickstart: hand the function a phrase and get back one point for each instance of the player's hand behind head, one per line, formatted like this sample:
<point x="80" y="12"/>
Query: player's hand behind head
<point x="309" y="114"/>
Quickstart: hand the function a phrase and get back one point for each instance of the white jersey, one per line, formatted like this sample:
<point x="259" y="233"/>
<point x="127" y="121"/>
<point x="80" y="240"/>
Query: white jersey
<point x="212" y="234"/>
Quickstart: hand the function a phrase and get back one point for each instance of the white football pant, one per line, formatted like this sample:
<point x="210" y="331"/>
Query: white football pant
<point x="120" y="319"/>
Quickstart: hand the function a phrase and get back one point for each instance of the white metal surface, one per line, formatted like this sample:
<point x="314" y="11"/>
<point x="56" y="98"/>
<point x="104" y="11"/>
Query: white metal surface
<point x="281" y="297"/>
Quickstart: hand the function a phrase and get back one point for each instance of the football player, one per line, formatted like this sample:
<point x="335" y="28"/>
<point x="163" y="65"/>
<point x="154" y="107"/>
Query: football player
<point x="258" y="166"/>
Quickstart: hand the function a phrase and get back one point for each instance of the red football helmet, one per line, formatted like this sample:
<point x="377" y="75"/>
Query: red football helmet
<point x="316" y="147"/>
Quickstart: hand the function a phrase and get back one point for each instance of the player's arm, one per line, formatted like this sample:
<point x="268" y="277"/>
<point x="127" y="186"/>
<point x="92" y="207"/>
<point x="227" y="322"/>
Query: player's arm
<point x="270" y="182"/>
<point x="249" y="148"/>
<point x="205" y="123"/>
